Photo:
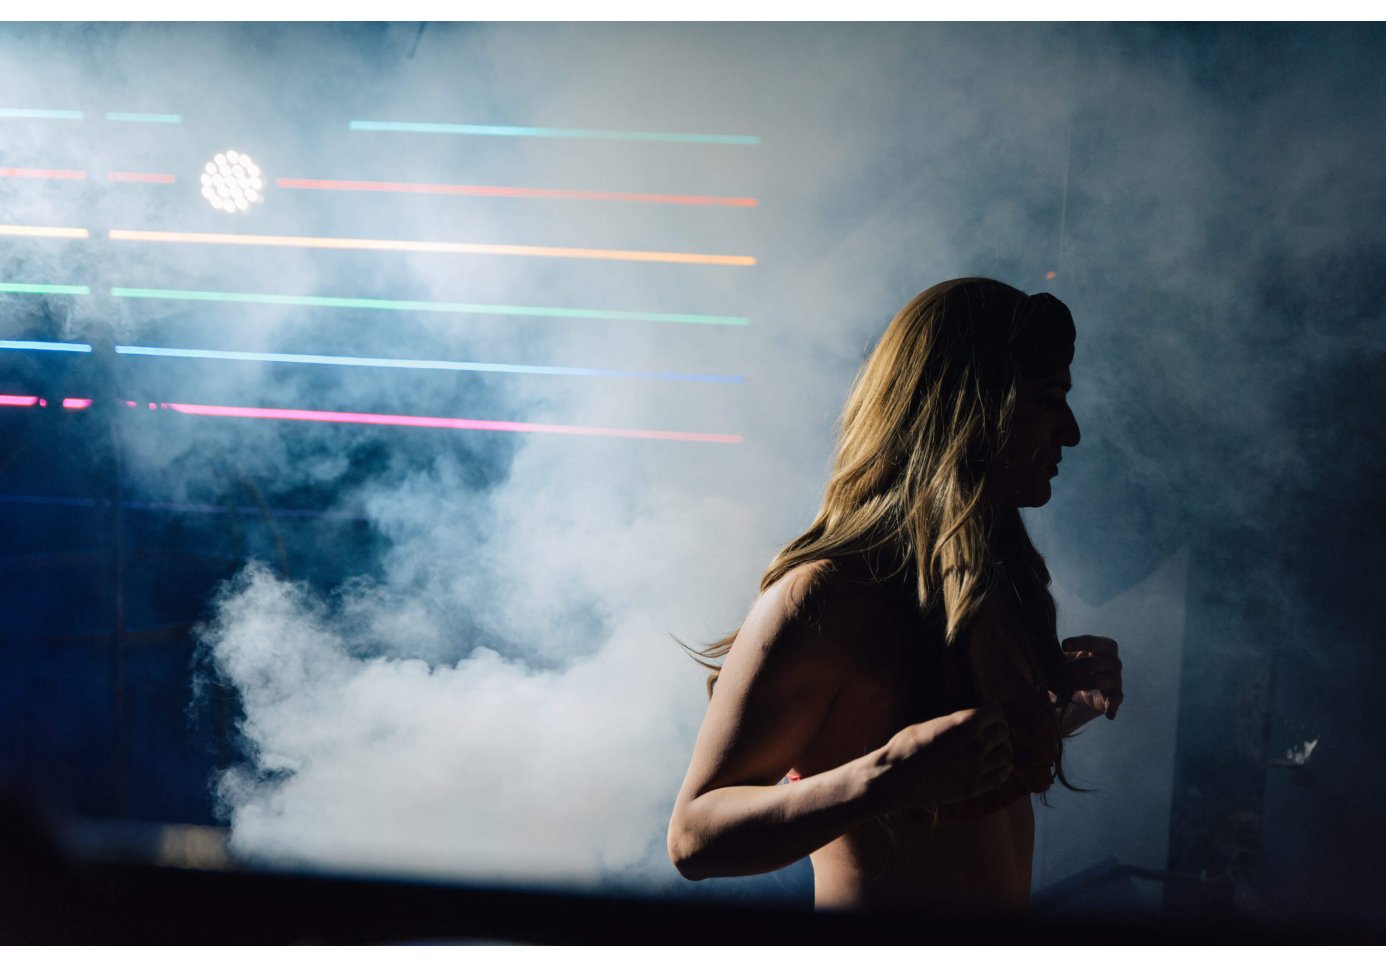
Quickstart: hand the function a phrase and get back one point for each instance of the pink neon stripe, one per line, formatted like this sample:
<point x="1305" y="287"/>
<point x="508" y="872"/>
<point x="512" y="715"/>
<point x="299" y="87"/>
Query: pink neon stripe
<point x="11" y="401"/>
<point x="76" y="403"/>
<point x="147" y="177"/>
<point x="451" y="423"/>
<point x="56" y="173"/>
<point x="500" y="191"/>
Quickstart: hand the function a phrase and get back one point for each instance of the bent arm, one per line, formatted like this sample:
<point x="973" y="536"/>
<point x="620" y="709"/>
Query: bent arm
<point x="733" y="815"/>
<point x="738" y="830"/>
<point x="788" y="667"/>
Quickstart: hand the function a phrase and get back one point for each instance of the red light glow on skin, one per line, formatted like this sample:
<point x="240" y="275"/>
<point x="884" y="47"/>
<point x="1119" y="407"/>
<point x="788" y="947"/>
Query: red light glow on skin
<point x="501" y="191"/>
<point x="144" y="177"/>
<point x="58" y="174"/>
<point x="449" y="423"/>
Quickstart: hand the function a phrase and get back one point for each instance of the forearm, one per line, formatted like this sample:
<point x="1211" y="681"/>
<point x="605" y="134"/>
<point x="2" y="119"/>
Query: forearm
<point x="752" y="829"/>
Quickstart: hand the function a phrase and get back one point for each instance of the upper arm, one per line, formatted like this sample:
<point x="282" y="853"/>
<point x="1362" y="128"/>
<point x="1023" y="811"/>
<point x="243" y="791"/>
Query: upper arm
<point x="775" y="688"/>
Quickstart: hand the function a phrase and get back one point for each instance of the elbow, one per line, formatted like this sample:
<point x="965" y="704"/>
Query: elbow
<point x="685" y="861"/>
<point x="683" y="850"/>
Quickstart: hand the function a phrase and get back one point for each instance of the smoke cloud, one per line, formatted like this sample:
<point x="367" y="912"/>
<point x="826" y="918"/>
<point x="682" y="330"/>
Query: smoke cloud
<point x="494" y="691"/>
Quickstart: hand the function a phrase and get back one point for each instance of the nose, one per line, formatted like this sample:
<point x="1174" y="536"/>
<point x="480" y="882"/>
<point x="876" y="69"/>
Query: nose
<point x="1067" y="433"/>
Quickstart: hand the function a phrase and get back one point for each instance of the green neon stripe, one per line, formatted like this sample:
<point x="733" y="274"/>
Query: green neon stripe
<point x="408" y="305"/>
<point x="40" y="113"/>
<point x="146" y="118"/>
<point x="44" y="288"/>
<point x="511" y="131"/>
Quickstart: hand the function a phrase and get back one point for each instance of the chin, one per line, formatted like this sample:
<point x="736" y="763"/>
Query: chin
<point x="1036" y="498"/>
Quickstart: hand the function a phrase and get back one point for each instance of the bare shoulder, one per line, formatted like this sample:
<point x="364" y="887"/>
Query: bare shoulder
<point x="813" y="611"/>
<point x="789" y="661"/>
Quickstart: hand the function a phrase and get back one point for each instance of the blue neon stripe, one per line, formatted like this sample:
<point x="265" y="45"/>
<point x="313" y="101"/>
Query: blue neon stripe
<point x="86" y="502"/>
<point x="146" y="118"/>
<point x="70" y="502"/>
<point x="27" y="344"/>
<point x="511" y="131"/>
<point x="418" y="364"/>
<point x="41" y="113"/>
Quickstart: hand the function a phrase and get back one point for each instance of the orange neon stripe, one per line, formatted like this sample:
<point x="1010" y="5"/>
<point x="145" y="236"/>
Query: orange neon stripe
<point x="147" y="177"/>
<point x="500" y="191"/>
<point x="456" y="248"/>
<point x="43" y="232"/>
<point x="63" y="174"/>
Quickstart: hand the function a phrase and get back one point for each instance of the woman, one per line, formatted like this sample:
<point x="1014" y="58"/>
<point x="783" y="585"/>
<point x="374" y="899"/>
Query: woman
<point x="901" y="668"/>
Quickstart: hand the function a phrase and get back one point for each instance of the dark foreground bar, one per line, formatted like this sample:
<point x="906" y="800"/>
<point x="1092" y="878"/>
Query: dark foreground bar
<point x="47" y="897"/>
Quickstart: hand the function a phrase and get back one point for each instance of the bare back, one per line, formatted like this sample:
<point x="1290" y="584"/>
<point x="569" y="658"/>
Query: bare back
<point x="829" y="666"/>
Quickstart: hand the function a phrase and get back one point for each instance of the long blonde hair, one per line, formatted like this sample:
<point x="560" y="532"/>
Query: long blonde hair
<point x="926" y="416"/>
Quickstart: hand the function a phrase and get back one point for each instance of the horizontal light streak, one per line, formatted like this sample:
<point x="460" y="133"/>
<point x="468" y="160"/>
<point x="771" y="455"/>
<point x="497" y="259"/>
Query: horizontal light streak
<point x="501" y="191"/>
<point x="43" y="288"/>
<point x="43" y="232"/>
<point x="57" y="174"/>
<point x="410" y="305"/>
<point x="447" y="423"/>
<point x="388" y="362"/>
<point x="513" y="131"/>
<point x="402" y="420"/>
<point x="454" y="248"/>
<point x="253" y="510"/>
<point x="41" y="113"/>
<point x="146" y="177"/>
<point x="41" y="345"/>
<point x="76" y="403"/>
<point x="70" y="502"/>
<point x="144" y="118"/>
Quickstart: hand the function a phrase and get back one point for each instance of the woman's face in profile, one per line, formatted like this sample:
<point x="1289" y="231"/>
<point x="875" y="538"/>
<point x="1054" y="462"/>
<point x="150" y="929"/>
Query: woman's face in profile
<point x="1041" y="427"/>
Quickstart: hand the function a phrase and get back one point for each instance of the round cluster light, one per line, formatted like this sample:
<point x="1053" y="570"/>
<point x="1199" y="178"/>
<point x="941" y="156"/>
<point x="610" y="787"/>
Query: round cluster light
<point x="231" y="182"/>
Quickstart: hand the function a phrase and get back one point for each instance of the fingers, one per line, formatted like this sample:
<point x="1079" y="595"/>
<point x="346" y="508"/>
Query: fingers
<point x="1093" y="660"/>
<point x="1090" y="643"/>
<point x="1100" y="700"/>
<point x="1113" y="703"/>
<point x="1085" y="669"/>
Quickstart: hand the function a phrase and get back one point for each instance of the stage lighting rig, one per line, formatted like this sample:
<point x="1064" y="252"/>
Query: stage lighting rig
<point x="231" y="182"/>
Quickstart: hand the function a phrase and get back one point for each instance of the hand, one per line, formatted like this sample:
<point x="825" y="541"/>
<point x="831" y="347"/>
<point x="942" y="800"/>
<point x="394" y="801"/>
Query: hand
<point x="950" y="758"/>
<point x="1093" y="675"/>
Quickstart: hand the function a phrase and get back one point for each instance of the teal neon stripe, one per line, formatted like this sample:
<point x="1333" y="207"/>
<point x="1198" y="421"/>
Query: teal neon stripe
<point x="35" y="288"/>
<point x="417" y="364"/>
<point x="409" y="305"/>
<point x="28" y="344"/>
<point x="41" y="113"/>
<point x="511" y="131"/>
<point x="146" y="118"/>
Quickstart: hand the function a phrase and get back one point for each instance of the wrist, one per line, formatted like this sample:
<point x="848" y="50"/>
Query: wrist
<point x="872" y="778"/>
<point x="1075" y="717"/>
